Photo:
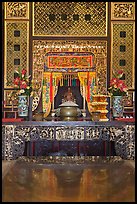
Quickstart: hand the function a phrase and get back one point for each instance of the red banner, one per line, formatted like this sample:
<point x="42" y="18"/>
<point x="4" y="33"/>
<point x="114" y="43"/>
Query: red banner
<point x="70" y="61"/>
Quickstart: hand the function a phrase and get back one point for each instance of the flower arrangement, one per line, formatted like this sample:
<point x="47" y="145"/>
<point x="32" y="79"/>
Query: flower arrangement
<point x="22" y="82"/>
<point x="117" y="85"/>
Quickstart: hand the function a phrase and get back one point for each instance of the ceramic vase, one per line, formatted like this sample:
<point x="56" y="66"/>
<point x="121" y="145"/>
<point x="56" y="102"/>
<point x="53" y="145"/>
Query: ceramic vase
<point x="117" y="106"/>
<point x="22" y="106"/>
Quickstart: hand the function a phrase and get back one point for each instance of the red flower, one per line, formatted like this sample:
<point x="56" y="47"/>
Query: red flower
<point x="24" y="71"/>
<point x="113" y="81"/>
<point x="122" y="86"/>
<point x="17" y="81"/>
<point x="120" y="72"/>
<point x="117" y="86"/>
<point x="23" y="84"/>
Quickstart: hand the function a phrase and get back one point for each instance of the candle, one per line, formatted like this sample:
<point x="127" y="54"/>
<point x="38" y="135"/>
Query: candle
<point x="133" y="96"/>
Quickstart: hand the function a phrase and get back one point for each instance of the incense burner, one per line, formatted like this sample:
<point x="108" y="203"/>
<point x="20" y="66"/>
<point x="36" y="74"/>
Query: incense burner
<point x="68" y="111"/>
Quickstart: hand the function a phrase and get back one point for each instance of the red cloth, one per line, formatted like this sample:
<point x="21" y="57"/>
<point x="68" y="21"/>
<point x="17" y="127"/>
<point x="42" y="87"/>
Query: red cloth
<point x="12" y="119"/>
<point x="51" y="97"/>
<point x="126" y="119"/>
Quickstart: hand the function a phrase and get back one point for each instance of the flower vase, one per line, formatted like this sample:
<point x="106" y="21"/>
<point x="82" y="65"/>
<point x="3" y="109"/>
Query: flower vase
<point x="22" y="105"/>
<point x="117" y="106"/>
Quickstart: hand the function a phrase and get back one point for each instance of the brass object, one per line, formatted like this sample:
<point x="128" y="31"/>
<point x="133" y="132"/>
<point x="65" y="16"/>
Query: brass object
<point x="69" y="109"/>
<point x="68" y="113"/>
<point x="98" y="107"/>
<point x="96" y="116"/>
<point x="38" y="116"/>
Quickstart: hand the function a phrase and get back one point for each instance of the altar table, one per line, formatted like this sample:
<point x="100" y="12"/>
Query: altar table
<point x="14" y="135"/>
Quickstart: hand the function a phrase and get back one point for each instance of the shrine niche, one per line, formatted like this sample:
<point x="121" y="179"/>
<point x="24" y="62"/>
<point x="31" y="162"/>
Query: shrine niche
<point x="75" y="65"/>
<point x="68" y="64"/>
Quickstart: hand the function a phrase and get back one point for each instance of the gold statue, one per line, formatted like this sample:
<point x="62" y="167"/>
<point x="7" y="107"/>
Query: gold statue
<point x="68" y="96"/>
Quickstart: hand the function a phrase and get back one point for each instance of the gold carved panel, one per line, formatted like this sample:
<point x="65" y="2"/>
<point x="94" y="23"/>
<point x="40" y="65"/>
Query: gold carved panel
<point x="123" y="50"/>
<point x="122" y="10"/>
<point x="16" y="10"/>
<point x="16" y="50"/>
<point x="10" y="100"/>
<point x="41" y="47"/>
<point x="70" y="18"/>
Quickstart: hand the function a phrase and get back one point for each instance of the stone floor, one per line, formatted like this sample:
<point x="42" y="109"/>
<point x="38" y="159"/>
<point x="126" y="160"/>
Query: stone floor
<point x="6" y="165"/>
<point x="67" y="184"/>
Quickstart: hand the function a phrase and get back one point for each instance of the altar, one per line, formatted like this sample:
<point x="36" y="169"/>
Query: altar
<point x="16" y="135"/>
<point x="50" y="58"/>
<point x="68" y="98"/>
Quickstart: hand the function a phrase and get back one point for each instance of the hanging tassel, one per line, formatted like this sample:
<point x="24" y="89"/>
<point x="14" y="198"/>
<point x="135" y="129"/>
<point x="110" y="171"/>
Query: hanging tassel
<point x="66" y="82"/>
<point x="73" y="81"/>
<point x="68" y="79"/>
<point x="61" y="81"/>
<point x="76" y="82"/>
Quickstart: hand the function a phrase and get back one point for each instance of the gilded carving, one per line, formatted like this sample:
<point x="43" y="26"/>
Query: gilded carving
<point x="41" y="47"/>
<point x="17" y="10"/>
<point x="14" y="137"/>
<point x="16" y="49"/>
<point x="70" y="18"/>
<point x="10" y="99"/>
<point x="123" y="34"/>
<point x="123" y="10"/>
